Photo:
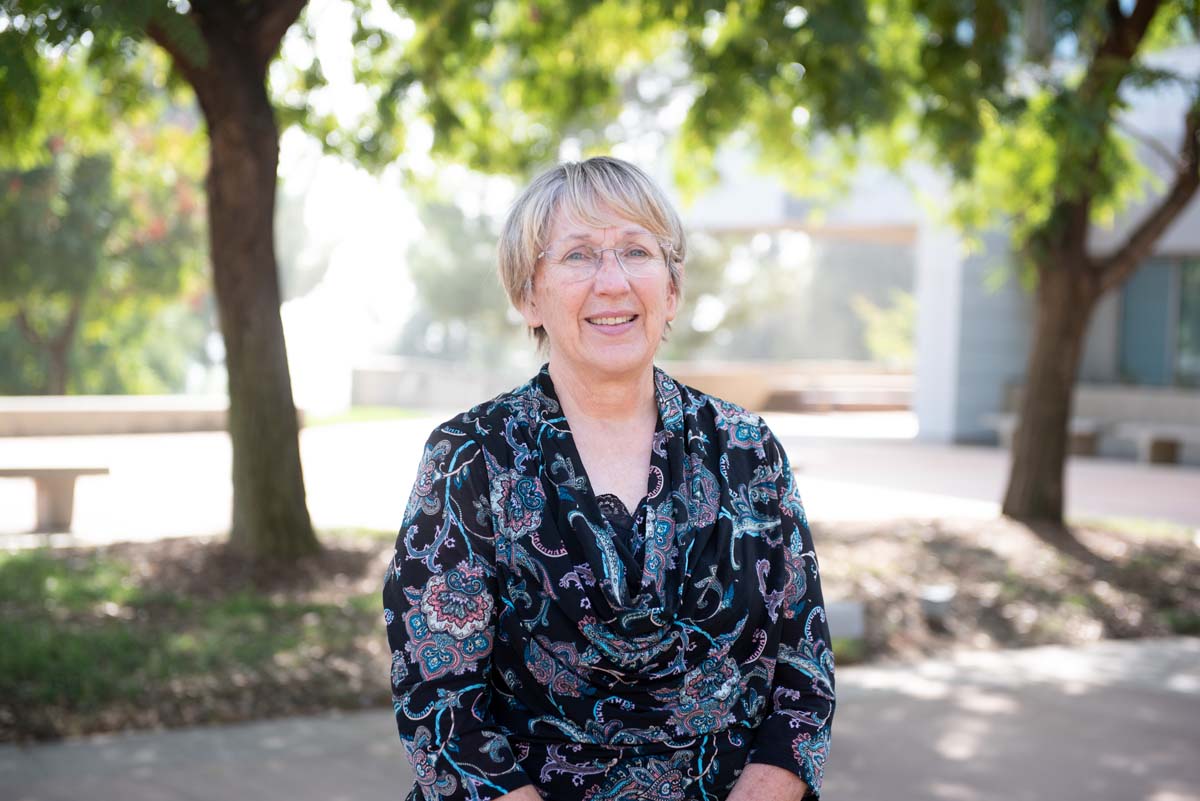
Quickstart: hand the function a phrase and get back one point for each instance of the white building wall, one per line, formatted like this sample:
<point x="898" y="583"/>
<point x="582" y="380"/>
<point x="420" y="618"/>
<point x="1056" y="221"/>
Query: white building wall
<point x="994" y="336"/>
<point x="938" y="291"/>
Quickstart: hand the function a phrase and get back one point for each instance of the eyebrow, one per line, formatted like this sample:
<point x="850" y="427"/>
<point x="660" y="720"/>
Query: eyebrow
<point x="626" y="232"/>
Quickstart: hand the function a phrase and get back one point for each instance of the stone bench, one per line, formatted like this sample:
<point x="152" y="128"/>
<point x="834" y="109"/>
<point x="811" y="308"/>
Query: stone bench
<point x="1157" y="443"/>
<point x="55" y="492"/>
<point x="1084" y="432"/>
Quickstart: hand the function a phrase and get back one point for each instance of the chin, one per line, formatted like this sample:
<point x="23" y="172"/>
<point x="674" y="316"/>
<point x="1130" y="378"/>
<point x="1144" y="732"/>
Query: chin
<point x="620" y="360"/>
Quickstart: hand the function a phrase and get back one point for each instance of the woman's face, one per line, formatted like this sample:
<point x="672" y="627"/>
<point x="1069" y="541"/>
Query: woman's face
<point x="608" y="324"/>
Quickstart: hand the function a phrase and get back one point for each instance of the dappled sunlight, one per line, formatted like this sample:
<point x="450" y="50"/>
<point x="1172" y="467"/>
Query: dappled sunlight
<point x="1028" y="723"/>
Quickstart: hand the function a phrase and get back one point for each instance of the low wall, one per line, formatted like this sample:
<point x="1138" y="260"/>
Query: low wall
<point x="66" y="415"/>
<point x="1122" y="403"/>
<point x="798" y="385"/>
<point x="428" y="383"/>
<point x="425" y="383"/>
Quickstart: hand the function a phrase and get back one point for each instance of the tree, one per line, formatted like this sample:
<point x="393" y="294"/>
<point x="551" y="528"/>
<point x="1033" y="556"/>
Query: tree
<point x="1019" y="99"/>
<point x="52" y="259"/>
<point x="222" y="51"/>
<point x="470" y="69"/>
<point x="96" y="243"/>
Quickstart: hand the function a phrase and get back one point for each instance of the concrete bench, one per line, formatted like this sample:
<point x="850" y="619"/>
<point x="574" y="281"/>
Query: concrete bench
<point x="1084" y="432"/>
<point x="55" y="492"/>
<point x="1157" y="443"/>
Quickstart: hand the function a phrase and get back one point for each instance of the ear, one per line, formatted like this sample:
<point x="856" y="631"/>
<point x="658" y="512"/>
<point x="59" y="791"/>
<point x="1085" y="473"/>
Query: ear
<point x="529" y="310"/>
<point x="673" y="297"/>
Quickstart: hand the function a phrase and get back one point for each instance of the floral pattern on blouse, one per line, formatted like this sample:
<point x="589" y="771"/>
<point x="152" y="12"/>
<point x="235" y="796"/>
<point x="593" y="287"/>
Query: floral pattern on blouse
<point x="535" y="643"/>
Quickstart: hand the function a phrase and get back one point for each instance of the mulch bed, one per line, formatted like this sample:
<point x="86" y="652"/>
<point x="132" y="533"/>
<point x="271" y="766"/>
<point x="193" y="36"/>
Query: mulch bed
<point x="1014" y="587"/>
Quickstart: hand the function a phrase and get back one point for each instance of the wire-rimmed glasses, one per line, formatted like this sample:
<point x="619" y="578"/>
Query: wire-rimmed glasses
<point x="582" y="262"/>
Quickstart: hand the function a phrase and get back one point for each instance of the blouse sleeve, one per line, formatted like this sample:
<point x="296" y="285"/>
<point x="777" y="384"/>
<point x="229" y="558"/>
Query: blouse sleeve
<point x="440" y="609"/>
<point x="796" y="732"/>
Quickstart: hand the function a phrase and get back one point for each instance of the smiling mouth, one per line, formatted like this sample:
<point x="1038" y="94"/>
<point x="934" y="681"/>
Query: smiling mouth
<point x="612" y="320"/>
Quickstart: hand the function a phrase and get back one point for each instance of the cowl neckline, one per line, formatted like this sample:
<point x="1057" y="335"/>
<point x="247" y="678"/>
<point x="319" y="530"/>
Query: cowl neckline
<point x="637" y="595"/>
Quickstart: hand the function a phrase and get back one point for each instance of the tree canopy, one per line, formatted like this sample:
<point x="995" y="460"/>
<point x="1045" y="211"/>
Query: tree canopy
<point x="101" y="232"/>
<point x="1019" y="100"/>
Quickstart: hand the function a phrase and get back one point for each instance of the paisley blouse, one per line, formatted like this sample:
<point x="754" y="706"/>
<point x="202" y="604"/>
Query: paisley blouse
<point x="535" y="642"/>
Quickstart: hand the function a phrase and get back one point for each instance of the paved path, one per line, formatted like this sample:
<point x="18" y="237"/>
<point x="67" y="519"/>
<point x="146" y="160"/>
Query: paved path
<point x="1113" y="721"/>
<point x="360" y="474"/>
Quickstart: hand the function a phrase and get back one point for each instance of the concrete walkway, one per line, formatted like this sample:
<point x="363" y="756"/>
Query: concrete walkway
<point x="1114" y="721"/>
<point x="850" y="466"/>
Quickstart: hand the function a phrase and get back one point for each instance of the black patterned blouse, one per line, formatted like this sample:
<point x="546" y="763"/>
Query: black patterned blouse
<point x="543" y="635"/>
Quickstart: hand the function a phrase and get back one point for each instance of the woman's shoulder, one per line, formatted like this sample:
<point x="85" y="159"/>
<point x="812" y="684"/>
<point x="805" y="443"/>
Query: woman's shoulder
<point x="523" y="405"/>
<point x="740" y="428"/>
<point x="698" y="401"/>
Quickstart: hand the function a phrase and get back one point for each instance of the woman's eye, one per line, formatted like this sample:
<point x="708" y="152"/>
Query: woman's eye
<point x="576" y="255"/>
<point x="637" y="252"/>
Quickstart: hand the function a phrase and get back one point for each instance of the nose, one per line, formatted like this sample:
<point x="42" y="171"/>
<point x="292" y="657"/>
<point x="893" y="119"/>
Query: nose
<point x="610" y="279"/>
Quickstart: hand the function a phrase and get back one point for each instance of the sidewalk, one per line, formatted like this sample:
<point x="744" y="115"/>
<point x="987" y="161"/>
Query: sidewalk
<point x="360" y="474"/>
<point x="1113" y="721"/>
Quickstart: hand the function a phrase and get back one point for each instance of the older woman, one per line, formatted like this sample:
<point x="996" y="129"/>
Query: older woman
<point x="604" y="586"/>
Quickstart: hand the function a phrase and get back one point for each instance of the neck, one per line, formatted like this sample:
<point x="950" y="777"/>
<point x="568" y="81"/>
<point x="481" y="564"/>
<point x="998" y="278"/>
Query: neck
<point x="604" y="398"/>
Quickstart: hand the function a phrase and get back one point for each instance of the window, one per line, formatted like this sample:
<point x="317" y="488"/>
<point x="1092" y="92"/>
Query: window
<point x="1187" y="353"/>
<point x="1160" y="323"/>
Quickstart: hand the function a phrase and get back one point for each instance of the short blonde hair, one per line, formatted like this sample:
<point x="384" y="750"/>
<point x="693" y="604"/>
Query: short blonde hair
<point x="580" y="188"/>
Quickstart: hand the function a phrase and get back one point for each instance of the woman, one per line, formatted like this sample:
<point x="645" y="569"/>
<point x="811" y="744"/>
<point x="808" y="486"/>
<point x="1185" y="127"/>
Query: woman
<point x="604" y="586"/>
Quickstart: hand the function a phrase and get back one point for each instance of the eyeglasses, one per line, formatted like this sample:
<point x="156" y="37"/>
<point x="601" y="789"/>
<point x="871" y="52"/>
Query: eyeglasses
<point x="583" y="262"/>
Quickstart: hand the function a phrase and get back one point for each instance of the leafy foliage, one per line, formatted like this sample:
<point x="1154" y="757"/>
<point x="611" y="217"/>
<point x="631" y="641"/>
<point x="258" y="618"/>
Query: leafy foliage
<point x="99" y="238"/>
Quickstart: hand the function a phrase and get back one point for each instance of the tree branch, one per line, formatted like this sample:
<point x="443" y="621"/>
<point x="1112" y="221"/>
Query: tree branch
<point x="1096" y="95"/>
<point x="27" y="329"/>
<point x="1116" y="267"/>
<point x="1113" y="57"/>
<point x="162" y="37"/>
<point x="67" y="332"/>
<point x="273" y="21"/>
<point x="1161" y="150"/>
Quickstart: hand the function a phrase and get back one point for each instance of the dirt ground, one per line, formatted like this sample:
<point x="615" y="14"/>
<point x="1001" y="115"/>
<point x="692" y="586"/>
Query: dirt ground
<point x="1013" y="587"/>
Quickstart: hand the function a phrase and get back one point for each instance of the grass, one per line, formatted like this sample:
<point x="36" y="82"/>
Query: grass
<point x="83" y="634"/>
<point x="847" y="651"/>
<point x="1141" y="528"/>
<point x="1184" y="622"/>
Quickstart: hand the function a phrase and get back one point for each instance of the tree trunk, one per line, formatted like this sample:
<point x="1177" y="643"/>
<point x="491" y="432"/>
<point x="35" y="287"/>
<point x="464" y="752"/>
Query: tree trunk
<point x="57" y="367"/>
<point x="57" y="349"/>
<point x="1064" y="305"/>
<point x="270" y="516"/>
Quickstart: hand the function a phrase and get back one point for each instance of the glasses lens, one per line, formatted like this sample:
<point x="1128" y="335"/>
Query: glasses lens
<point x="577" y="264"/>
<point x="638" y="260"/>
<point x="582" y="263"/>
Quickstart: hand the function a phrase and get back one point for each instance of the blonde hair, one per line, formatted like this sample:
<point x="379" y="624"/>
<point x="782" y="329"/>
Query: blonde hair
<point x="580" y="188"/>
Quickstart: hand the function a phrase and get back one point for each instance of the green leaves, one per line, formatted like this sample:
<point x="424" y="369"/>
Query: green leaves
<point x="20" y="94"/>
<point x="101" y="231"/>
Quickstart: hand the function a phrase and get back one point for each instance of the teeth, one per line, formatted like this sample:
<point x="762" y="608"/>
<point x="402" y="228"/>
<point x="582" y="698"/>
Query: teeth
<point x="610" y="320"/>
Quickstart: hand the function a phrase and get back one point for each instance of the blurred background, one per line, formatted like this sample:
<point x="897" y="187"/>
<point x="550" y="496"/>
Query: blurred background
<point x="950" y="251"/>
